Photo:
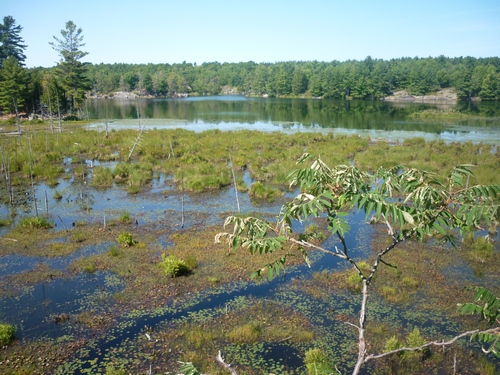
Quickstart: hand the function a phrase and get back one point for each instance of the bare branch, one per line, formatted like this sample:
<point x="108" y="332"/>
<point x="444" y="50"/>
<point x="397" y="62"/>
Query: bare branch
<point x="225" y="365"/>
<point x="432" y="343"/>
<point x="337" y="253"/>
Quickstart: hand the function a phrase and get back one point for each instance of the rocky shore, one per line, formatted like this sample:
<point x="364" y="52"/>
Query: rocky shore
<point x="444" y="95"/>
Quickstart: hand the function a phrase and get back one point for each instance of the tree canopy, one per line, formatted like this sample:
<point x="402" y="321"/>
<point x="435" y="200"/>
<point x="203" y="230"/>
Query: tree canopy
<point x="70" y="71"/>
<point x="11" y="43"/>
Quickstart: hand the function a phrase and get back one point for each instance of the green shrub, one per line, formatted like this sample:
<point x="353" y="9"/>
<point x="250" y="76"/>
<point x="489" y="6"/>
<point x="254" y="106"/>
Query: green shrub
<point x="126" y="239"/>
<point x="317" y="362"/>
<point x="6" y="334"/>
<point x="174" y="266"/>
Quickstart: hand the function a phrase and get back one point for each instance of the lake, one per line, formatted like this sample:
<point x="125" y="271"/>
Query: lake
<point x="374" y="119"/>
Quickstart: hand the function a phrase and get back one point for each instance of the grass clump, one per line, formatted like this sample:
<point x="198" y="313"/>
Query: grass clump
<point x="245" y="334"/>
<point x="125" y="239"/>
<point x="5" y="222"/>
<point x="125" y="218"/>
<point x="34" y="223"/>
<point x="259" y="191"/>
<point x="102" y="177"/>
<point x="480" y="248"/>
<point x="317" y="362"/>
<point x="174" y="266"/>
<point x="6" y="334"/>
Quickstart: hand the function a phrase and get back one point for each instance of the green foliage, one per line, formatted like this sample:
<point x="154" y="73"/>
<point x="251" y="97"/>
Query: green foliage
<point x="392" y="344"/>
<point x="11" y="42"/>
<point x="7" y="332"/>
<point x="125" y="239"/>
<point x="247" y="333"/>
<point x="481" y="247"/>
<point x="173" y="266"/>
<point x="191" y="262"/>
<point x="187" y="368"/>
<point x="318" y="362"/>
<point x="427" y="206"/>
<point x="111" y="370"/>
<point x="102" y="177"/>
<point x="259" y="191"/>
<point x="487" y="305"/>
<point x="34" y="222"/>
<point x="125" y="218"/>
<point x="70" y="70"/>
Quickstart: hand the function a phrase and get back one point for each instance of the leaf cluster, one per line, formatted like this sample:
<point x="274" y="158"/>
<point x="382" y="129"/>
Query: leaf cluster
<point x="487" y="305"/>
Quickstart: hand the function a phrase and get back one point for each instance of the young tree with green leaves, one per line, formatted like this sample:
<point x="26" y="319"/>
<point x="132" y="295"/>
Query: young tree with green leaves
<point x="426" y="207"/>
<point x="11" y="43"/>
<point x="71" y="72"/>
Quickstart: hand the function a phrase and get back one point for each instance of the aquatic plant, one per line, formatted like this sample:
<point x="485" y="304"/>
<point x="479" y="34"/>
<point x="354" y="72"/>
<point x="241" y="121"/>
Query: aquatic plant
<point x="102" y="177"/>
<point x="125" y="239"/>
<point x="173" y="266"/>
<point x="259" y="191"/>
<point x="428" y="207"/>
<point x="7" y="332"/>
<point x="317" y="362"/>
<point x="34" y="222"/>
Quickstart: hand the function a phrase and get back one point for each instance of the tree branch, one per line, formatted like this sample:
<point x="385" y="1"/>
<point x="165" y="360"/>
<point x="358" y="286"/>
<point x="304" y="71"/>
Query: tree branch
<point x="225" y="365"/>
<point x="431" y="343"/>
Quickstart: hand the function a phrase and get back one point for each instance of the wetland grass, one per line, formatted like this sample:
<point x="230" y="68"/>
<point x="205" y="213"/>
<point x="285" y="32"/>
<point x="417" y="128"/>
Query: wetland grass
<point x="267" y="156"/>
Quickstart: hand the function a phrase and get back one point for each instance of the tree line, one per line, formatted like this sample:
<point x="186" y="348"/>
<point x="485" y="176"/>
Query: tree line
<point x="65" y="86"/>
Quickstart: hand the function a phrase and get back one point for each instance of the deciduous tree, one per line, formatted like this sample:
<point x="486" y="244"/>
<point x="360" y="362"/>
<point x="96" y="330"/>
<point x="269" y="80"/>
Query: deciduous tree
<point x="426" y="206"/>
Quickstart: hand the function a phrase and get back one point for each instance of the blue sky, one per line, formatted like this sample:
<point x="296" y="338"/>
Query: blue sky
<point x="196" y="31"/>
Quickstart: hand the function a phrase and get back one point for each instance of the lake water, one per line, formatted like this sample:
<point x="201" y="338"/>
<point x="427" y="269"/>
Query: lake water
<point x="377" y="120"/>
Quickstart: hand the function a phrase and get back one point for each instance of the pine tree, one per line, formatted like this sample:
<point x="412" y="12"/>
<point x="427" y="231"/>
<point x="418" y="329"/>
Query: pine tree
<point x="70" y="70"/>
<point x="11" y="44"/>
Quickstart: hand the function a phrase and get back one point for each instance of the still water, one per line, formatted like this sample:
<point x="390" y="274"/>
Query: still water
<point x="377" y="120"/>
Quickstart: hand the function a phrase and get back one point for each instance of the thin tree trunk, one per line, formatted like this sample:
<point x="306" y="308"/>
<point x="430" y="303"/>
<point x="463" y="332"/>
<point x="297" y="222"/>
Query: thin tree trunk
<point x="46" y="206"/>
<point x="33" y="191"/>
<point x="361" y="329"/>
<point x="234" y="182"/>
<point x="50" y="112"/>
<point x="58" y="111"/>
<point x="107" y="132"/>
<point x="18" y="121"/>
<point x="182" y="201"/>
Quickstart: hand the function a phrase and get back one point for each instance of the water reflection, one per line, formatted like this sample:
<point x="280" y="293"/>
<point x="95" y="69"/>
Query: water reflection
<point x="374" y="119"/>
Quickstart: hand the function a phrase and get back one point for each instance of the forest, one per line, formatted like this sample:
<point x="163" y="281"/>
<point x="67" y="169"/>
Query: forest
<point x="66" y="85"/>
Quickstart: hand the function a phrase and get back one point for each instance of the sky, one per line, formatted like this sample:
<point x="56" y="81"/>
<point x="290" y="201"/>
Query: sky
<point x="198" y="31"/>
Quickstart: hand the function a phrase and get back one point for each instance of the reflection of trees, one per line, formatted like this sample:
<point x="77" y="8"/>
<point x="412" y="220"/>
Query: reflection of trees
<point x="323" y="113"/>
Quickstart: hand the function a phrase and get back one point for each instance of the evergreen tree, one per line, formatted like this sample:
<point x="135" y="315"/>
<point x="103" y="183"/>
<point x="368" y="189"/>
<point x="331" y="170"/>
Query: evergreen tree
<point x="13" y="86"/>
<point x="11" y="44"/>
<point x="70" y="70"/>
